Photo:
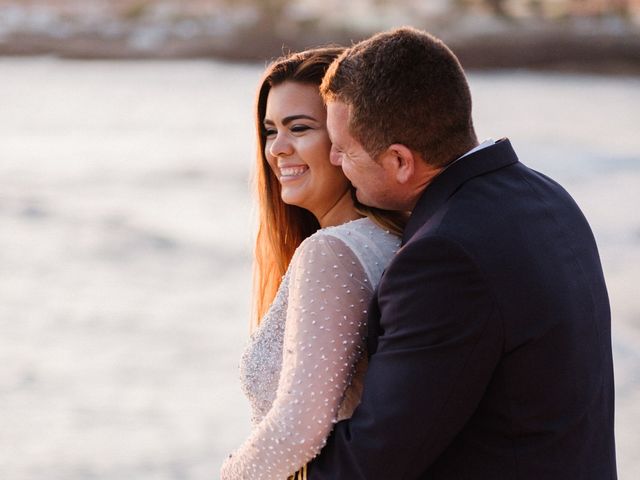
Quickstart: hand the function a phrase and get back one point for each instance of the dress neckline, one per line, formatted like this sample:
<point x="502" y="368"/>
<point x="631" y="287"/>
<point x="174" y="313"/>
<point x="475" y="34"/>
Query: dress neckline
<point x="345" y="223"/>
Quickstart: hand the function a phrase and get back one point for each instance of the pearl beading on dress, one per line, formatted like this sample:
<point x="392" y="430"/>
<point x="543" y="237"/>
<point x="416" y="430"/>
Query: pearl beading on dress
<point x="302" y="369"/>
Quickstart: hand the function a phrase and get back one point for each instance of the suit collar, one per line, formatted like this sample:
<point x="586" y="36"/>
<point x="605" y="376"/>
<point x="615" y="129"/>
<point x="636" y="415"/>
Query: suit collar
<point x="494" y="157"/>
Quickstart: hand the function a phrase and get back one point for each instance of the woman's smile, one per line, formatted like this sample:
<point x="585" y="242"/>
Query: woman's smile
<point x="292" y="172"/>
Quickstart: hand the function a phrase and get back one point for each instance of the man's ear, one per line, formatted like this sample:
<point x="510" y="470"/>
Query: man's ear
<point x="401" y="162"/>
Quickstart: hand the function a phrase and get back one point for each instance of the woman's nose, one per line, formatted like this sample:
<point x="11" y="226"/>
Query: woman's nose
<point x="280" y="145"/>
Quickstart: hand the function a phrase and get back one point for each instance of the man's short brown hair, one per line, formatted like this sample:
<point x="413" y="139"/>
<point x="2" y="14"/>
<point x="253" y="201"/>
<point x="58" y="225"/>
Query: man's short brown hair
<point x="404" y="86"/>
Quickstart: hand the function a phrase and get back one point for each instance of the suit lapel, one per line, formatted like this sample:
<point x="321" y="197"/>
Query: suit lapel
<point x="491" y="158"/>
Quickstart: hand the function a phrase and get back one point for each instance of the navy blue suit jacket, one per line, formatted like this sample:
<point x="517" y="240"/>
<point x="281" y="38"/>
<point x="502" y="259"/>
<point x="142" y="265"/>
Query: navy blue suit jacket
<point x="489" y="339"/>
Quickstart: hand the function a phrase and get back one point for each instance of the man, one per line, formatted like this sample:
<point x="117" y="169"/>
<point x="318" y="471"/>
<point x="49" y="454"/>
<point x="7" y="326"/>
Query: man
<point x="489" y="334"/>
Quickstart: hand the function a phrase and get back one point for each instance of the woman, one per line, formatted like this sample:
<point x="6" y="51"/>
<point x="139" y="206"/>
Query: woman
<point x="318" y="257"/>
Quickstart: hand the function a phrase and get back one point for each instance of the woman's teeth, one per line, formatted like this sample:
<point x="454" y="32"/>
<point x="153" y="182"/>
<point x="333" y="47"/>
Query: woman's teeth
<point x="292" y="171"/>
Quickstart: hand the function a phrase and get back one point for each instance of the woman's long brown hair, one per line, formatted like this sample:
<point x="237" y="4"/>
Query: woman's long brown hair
<point x="282" y="227"/>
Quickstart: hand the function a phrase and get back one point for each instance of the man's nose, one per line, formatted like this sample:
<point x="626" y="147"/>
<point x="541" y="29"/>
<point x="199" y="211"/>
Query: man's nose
<point x="335" y="158"/>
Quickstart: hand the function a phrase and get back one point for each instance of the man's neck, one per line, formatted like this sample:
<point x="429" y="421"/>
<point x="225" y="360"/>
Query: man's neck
<point x="426" y="176"/>
<point x="431" y="173"/>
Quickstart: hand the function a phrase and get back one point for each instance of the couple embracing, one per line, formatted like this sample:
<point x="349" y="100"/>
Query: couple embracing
<point x="427" y="307"/>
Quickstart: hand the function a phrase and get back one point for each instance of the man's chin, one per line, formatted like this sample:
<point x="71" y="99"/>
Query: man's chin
<point x="365" y="200"/>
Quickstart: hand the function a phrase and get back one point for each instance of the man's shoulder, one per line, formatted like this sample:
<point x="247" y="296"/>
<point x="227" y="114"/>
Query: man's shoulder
<point x="499" y="201"/>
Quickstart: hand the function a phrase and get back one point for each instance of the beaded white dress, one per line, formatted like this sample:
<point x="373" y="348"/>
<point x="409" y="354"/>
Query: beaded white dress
<point x="303" y="367"/>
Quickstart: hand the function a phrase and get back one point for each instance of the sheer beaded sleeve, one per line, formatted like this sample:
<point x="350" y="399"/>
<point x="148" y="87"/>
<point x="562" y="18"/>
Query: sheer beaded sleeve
<point x="323" y="341"/>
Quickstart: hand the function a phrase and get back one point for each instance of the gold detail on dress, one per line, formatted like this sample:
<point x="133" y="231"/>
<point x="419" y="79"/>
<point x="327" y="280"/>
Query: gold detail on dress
<point x="300" y="474"/>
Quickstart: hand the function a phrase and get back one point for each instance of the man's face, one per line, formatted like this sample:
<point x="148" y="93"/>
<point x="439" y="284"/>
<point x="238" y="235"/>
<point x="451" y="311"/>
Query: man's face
<point x="371" y="181"/>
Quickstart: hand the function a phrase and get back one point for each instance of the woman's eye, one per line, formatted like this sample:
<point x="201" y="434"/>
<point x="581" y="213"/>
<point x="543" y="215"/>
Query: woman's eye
<point x="269" y="132"/>
<point x="300" y="128"/>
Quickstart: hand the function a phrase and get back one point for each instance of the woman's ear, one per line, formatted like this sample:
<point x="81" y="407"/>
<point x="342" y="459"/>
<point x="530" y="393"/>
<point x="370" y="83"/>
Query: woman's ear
<point x="399" y="161"/>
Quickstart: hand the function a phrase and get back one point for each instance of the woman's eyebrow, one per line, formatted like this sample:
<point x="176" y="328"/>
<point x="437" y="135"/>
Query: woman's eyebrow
<point x="290" y="118"/>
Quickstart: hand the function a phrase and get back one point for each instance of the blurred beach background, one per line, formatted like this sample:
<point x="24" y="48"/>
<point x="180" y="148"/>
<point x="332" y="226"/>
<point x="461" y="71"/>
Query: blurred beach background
<point x="126" y="221"/>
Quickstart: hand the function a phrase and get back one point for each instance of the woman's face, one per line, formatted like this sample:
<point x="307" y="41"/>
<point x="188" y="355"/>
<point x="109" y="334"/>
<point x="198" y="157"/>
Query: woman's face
<point x="298" y="147"/>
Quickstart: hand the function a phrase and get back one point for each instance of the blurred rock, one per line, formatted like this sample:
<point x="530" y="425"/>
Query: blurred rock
<point x="518" y="36"/>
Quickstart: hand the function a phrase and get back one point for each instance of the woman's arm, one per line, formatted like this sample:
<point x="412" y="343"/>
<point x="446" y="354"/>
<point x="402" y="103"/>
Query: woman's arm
<point x="323" y="340"/>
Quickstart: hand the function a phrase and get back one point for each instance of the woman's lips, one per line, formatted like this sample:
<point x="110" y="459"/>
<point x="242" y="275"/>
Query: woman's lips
<point x="291" y="173"/>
